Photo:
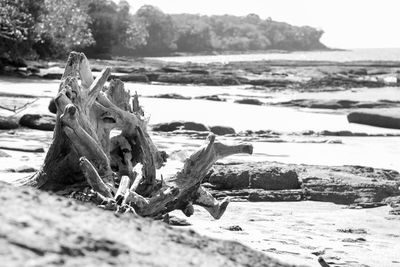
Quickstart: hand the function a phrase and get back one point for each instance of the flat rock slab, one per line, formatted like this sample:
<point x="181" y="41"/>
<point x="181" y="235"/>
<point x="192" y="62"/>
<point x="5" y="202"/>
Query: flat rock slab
<point x="39" y="229"/>
<point x="44" y="122"/>
<point x="362" y="186"/>
<point x="386" y="118"/>
<point x="8" y="123"/>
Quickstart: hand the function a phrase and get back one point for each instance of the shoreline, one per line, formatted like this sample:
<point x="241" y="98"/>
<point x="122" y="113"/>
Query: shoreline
<point x="344" y="184"/>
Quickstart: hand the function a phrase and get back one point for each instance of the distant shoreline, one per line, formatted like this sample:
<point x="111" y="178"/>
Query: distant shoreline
<point x="247" y="52"/>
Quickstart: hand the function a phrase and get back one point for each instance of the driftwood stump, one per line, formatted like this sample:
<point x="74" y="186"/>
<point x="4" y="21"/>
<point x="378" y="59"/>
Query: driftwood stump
<point x="120" y="170"/>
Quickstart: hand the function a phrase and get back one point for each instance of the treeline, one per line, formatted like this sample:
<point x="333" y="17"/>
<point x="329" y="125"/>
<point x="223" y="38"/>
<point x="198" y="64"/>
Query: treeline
<point x="101" y="28"/>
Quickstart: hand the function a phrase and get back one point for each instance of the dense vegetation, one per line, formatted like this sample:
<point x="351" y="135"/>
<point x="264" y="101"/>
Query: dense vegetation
<point x="101" y="28"/>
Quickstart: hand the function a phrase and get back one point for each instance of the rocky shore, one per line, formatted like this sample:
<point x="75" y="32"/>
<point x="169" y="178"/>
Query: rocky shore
<point x="84" y="233"/>
<point x="271" y="75"/>
<point x="357" y="186"/>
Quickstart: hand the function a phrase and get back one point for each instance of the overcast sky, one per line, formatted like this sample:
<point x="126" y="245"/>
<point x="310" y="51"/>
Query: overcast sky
<point x="347" y="23"/>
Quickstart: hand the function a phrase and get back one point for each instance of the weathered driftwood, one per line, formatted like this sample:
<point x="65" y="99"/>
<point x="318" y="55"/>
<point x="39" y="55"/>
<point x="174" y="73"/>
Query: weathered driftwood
<point x="121" y="170"/>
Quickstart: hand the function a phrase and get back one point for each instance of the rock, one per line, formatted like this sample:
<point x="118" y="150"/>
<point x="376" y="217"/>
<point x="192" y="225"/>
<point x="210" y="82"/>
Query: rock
<point x="172" y="96"/>
<point x="187" y="126"/>
<point x="249" y="101"/>
<point x="258" y="195"/>
<point x="175" y="221"/>
<point x="337" y="104"/>
<point x="358" y="231"/>
<point x="52" y="106"/>
<point x="338" y="133"/>
<point x="362" y="186"/>
<point x="222" y="130"/>
<point x="52" y="76"/>
<point x="279" y="83"/>
<point x="198" y="71"/>
<point x="234" y="228"/>
<point x="385" y="119"/>
<point x="8" y="123"/>
<point x="167" y="127"/>
<point x="359" y="71"/>
<point x="255" y="175"/>
<point x="190" y="78"/>
<point x="274" y="178"/>
<point x="194" y="126"/>
<point x="211" y="98"/>
<point x="170" y="70"/>
<point x="33" y="69"/>
<point x="133" y="77"/>
<point x="38" y="121"/>
<point x="395" y="211"/>
<point x="191" y="133"/>
<point x="229" y="178"/>
<point x="354" y="240"/>
<point x="22" y="169"/>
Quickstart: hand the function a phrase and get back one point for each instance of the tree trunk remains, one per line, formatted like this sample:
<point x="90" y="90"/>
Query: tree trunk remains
<point x="121" y="170"/>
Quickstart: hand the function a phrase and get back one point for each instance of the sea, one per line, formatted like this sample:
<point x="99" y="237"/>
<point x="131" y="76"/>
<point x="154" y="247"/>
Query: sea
<point x="364" y="54"/>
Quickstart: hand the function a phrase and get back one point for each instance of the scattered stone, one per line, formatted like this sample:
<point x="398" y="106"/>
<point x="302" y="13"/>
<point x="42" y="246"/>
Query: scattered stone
<point x="8" y="123"/>
<point x="199" y="71"/>
<point x="170" y="70"/>
<point x="180" y="125"/>
<point x="52" y="106"/>
<point x="359" y="231"/>
<point x="22" y="169"/>
<point x="42" y="122"/>
<point x="194" y="126"/>
<point x="318" y="252"/>
<point x="354" y="240"/>
<point x="133" y="77"/>
<point x="172" y="96"/>
<point x="338" y="133"/>
<point x="249" y="101"/>
<point x="395" y="211"/>
<point x="176" y="221"/>
<point x="52" y="76"/>
<point x="234" y="228"/>
<point x="23" y="149"/>
<point x="211" y="98"/>
<point x="337" y="104"/>
<point x="167" y="127"/>
<point x="222" y="130"/>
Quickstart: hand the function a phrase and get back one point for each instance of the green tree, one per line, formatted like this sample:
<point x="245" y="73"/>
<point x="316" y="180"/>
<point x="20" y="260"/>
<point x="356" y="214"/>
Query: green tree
<point x="161" y="34"/>
<point x="17" y="28"/>
<point x="64" y="27"/>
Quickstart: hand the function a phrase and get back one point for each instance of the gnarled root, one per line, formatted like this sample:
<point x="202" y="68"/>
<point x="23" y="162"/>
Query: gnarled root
<point x="120" y="170"/>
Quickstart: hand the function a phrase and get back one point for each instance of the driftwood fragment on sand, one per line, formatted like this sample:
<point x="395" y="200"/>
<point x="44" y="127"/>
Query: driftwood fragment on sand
<point x="121" y="170"/>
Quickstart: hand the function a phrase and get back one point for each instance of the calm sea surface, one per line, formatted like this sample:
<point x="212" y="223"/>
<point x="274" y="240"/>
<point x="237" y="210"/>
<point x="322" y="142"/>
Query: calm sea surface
<point x="375" y="54"/>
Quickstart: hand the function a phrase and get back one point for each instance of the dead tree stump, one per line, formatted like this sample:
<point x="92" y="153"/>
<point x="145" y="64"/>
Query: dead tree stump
<point x="121" y="171"/>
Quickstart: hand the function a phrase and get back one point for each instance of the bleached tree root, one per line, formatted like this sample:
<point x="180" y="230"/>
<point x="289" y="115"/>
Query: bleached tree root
<point x="120" y="170"/>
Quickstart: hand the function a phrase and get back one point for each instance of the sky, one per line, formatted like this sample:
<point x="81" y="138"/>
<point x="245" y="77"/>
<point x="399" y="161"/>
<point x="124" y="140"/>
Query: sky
<point x="346" y="23"/>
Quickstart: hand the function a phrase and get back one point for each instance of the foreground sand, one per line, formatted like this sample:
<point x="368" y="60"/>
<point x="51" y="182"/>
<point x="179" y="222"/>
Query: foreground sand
<point x="300" y="232"/>
<point x="38" y="229"/>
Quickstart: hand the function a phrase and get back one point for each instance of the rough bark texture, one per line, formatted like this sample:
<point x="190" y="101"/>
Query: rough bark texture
<point x="121" y="170"/>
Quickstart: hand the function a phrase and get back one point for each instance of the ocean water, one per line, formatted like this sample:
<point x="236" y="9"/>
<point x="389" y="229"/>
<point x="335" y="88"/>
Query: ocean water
<point x="372" y="54"/>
